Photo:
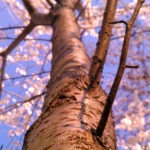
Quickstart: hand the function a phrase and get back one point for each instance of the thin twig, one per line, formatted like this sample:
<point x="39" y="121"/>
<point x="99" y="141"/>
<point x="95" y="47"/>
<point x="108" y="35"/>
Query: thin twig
<point x="25" y="39"/>
<point x="25" y="76"/>
<point x="28" y="119"/>
<point x="5" y="53"/>
<point x="44" y="61"/>
<point x="82" y="10"/>
<point x="133" y="34"/>
<point x="20" y="37"/>
<point x="121" y="21"/>
<point x="16" y="105"/>
<point x="12" y="27"/>
<point x="2" y="71"/>
<point x="129" y="66"/>
<point x="29" y="6"/>
<point x="37" y="18"/>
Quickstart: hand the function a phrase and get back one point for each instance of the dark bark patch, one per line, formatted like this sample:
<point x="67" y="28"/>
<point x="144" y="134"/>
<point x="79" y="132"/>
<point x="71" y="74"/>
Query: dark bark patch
<point x="62" y="96"/>
<point x="67" y="97"/>
<point x="68" y="125"/>
<point x="73" y="97"/>
<point x="58" y="134"/>
<point x="96" y="138"/>
<point x="42" y="130"/>
<point x="65" y="112"/>
<point x="48" y="147"/>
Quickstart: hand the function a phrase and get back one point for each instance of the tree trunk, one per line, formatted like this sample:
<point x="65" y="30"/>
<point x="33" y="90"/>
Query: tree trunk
<point x="69" y="111"/>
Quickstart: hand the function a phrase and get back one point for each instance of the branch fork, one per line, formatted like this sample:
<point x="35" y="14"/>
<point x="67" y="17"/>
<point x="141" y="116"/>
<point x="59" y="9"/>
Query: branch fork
<point x="122" y="65"/>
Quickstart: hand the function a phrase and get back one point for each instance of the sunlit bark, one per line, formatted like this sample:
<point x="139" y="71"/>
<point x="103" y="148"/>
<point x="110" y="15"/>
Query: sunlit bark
<point x="70" y="111"/>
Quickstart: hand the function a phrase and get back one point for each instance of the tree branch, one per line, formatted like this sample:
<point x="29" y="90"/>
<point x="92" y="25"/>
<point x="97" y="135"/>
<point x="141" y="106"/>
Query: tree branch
<point x="22" y="35"/>
<point x="14" y="27"/>
<point x="29" y="6"/>
<point x="121" y="68"/>
<point x="51" y="3"/>
<point x="36" y="17"/>
<point x="130" y="66"/>
<point x="102" y="45"/>
<point x="5" y="53"/>
<point x="133" y="34"/>
<point x="121" y="21"/>
<point x="80" y="9"/>
<point x="26" y="39"/>
<point x="2" y="71"/>
<point x="25" y="76"/>
<point x="17" y="104"/>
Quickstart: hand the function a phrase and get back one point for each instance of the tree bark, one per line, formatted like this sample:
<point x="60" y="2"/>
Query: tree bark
<point x="70" y="111"/>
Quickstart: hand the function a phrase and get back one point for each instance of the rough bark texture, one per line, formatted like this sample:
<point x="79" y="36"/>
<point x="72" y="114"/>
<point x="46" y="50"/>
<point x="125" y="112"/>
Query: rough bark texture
<point x="69" y="111"/>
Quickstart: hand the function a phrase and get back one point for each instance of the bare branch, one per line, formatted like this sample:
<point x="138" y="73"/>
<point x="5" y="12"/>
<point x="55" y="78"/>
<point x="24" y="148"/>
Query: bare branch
<point x="84" y="29"/>
<point x="129" y="66"/>
<point x="2" y="71"/>
<point x="5" y="53"/>
<point x="103" y="43"/>
<point x="25" y="76"/>
<point x="26" y="39"/>
<point x="52" y="3"/>
<point x="133" y="34"/>
<point x="16" y="105"/>
<point x="45" y="5"/>
<point x="22" y="35"/>
<point x="80" y="8"/>
<point x="121" y="21"/>
<point x="121" y="68"/>
<point x="30" y="8"/>
<point x="14" y="27"/>
<point x="36" y="17"/>
<point x="44" y="61"/>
